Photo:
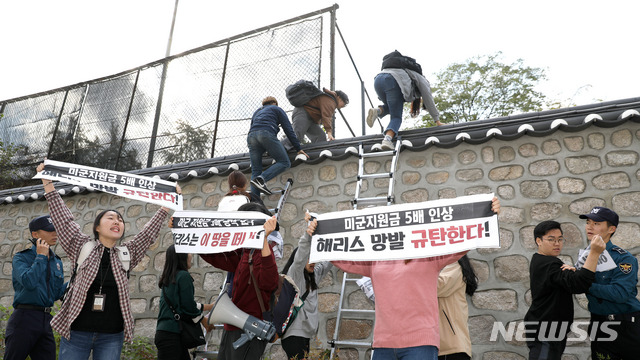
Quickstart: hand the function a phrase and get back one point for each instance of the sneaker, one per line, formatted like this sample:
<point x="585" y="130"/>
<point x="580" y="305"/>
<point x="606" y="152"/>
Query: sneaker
<point x="259" y="183"/>
<point x="372" y="116"/>
<point x="387" y="145"/>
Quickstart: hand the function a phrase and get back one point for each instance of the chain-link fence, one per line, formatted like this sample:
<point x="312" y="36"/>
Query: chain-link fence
<point x="191" y="106"/>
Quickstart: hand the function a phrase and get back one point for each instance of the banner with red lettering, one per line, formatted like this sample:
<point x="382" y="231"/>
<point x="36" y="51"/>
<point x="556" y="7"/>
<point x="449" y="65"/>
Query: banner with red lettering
<point x="208" y="232"/>
<point x="127" y="185"/>
<point x="406" y="231"/>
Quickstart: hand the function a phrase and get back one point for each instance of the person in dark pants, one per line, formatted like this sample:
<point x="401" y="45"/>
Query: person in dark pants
<point x="552" y="285"/>
<point x="263" y="137"/>
<point x="177" y="285"/>
<point x="38" y="281"/>
<point x="614" y="307"/>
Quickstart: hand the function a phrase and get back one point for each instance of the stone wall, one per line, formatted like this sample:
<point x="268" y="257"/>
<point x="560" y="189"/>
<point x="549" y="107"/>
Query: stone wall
<point x="536" y="178"/>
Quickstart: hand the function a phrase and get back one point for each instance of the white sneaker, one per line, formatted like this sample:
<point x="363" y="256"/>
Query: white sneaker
<point x="372" y="116"/>
<point x="387" y="145"/>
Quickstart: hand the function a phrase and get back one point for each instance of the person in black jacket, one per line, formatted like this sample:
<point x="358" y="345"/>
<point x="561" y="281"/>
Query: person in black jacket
<point x="263" y="137"/>
<point x="552" y="283"/>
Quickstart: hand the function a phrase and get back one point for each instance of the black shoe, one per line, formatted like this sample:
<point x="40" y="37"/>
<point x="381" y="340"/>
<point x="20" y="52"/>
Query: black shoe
<point x="259" y="183"/>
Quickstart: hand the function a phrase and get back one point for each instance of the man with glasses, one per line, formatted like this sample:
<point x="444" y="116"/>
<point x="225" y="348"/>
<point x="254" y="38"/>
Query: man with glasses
<point x="615" y="310"/>
<point x="552" y="284"/>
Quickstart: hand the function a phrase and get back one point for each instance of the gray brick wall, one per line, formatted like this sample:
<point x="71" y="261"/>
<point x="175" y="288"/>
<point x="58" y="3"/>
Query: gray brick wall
<point x="536" y="178"/>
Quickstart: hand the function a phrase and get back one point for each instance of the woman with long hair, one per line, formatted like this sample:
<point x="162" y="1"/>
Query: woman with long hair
<point x="455" y="281"/>
<point x="305" y="275"/>
<point x="96" y="314"/>
<point x="176" y="285"/>
<point x="248" y="265"/>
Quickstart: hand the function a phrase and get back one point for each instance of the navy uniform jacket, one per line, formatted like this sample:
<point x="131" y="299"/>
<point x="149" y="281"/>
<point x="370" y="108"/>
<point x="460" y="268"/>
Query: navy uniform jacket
<point x="614" y="291"/>
<point x="30" y="278"/>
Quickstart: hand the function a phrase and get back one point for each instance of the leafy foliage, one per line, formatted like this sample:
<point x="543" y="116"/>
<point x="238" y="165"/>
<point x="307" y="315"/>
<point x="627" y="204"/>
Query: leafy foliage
<point x="483" y="87"/>
<point x="190" y="144"/>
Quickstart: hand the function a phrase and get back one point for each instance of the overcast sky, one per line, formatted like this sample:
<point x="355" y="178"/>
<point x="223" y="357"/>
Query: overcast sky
<point x="588" y="48"/>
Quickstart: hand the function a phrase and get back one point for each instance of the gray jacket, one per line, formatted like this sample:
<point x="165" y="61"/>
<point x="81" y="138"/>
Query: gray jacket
<point x="306" y="323"/>
<point x="405" y="78"/>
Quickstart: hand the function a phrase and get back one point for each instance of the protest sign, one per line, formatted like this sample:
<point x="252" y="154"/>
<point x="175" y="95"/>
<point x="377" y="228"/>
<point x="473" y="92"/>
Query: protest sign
<point x="127" y="185"/>
<point x="407" y="231"/>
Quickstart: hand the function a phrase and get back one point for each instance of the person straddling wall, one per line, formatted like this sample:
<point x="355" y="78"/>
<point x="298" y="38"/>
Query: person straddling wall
<point x="400" y="81"/>
<point x="38" y="281"/>
<point x="318" y="111"/>
<point x="263" y="137"/>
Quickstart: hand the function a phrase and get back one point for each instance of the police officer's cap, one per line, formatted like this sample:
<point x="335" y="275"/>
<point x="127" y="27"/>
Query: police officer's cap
<point x="599" y="213"/>
<point x="41" y="223"/>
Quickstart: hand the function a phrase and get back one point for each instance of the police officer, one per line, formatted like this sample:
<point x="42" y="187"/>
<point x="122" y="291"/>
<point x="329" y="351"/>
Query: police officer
<point x="615" y="311"/>
<point x="38" y="281"/>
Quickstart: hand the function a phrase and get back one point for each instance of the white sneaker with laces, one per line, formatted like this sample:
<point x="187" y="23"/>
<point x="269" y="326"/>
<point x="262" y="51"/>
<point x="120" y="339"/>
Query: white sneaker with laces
<point x="387" y="145"/>
<point x="372" y="116"/>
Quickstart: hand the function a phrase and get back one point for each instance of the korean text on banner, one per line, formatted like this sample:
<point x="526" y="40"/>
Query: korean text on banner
<point x="155" y="191"/>
<point x="208" y="232"/>
<point x="407" y="231"/>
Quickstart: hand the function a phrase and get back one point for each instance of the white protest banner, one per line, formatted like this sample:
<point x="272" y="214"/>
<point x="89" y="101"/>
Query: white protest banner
<point x="127" y="185"/>
<point x="208" y="232"/>
<point x="605" y="261"/>
<point x="407" y="231"/>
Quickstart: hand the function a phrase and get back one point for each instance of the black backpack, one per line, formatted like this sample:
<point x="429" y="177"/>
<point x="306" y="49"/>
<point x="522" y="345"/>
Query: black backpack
<point x="395" y="60"/>
<point x="301" y="92"/>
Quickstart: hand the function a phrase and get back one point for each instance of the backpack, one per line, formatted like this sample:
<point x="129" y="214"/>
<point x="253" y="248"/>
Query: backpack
<point x="87" y="247"/>
<point x="284" y="304"/>
<point x="301" y="92"/>
<point x="396" y="60"/>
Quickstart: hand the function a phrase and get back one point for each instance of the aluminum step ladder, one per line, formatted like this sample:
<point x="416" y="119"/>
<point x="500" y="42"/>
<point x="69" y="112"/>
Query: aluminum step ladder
<point x="358" y="202"/>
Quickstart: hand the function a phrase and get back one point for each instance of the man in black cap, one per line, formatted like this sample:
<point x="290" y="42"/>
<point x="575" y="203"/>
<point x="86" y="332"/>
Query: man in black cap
<point x="615" y="310"/>
<point x="38" y="281"/>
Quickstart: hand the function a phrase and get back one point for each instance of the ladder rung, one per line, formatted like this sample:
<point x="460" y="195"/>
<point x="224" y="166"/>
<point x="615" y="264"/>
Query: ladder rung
<point x="375" y="176"/>
<point x="378" y="153"/>
<point x="372" y="200"/>
<point x="361" y="311"/>
<point x="333" y="343"/>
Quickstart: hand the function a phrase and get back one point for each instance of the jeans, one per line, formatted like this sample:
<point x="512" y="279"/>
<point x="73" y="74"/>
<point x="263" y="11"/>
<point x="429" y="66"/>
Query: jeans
<point x="105" y="346"/>
<point x="391" y="96"/>
<point x="259" y="142"/>
<point x="425" y="352"/>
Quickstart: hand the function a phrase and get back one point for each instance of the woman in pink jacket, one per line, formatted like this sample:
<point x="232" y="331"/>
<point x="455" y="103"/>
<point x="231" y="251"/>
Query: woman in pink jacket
<point x="406" y="306"/>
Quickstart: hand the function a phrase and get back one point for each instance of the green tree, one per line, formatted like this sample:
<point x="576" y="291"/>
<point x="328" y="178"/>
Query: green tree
<point x="190" y="144"/>
<point x="104" y="155"/>
<point x="484" y="87"/>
